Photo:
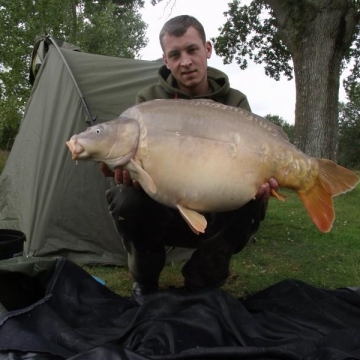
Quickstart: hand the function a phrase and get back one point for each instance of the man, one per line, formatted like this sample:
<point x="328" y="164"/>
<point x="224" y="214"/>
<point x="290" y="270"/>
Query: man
<point x="147" y="226"/>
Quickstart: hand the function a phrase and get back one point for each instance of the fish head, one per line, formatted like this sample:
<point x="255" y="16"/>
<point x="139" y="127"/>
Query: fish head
<point x="114" y="142"/>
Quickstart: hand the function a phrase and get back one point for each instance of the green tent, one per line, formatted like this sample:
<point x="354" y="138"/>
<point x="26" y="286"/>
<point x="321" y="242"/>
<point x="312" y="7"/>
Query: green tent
<point x="58" y="204"/>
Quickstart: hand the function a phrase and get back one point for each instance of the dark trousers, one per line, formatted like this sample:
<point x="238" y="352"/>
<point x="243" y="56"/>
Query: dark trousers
<point x="146" y="227"/>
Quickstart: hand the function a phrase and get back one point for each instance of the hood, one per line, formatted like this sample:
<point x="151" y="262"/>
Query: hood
<point x="218" y="81"/>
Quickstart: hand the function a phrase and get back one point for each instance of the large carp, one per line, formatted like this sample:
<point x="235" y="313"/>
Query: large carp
<point x="202" y="156"/>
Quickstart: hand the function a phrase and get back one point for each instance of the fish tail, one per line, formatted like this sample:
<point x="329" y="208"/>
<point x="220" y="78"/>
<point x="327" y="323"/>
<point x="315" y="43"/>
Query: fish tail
<point x="332" y="180"/>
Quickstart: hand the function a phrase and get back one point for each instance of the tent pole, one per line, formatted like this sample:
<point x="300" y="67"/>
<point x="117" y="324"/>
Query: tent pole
<point x="87" y="110"/>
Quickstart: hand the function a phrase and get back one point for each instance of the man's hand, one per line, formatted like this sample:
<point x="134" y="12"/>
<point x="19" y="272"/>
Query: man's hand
<point x="120" y="175"/>
<point x="264" y="191"/>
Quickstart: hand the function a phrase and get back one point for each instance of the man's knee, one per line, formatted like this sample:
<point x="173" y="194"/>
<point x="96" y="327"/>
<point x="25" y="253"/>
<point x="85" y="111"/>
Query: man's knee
<point x="138" y="218"/>
<point x="126" y="203"/>
<point x="228" y="234"/>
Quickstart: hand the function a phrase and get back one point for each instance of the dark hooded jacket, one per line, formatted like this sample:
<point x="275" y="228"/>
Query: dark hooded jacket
<point x="221" y="91"/>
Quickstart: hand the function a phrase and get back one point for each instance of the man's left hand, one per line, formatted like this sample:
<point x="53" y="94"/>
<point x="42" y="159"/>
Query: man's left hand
<point x="264" y="191"/>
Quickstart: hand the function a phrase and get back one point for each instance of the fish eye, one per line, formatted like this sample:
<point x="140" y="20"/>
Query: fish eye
<point x="97" y="131"/>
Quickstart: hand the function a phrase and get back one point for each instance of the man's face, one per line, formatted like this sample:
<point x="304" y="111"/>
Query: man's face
<point x="186" y="57"/>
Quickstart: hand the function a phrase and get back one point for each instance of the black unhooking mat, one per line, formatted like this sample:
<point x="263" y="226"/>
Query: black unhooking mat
<point x="52" y="309"/>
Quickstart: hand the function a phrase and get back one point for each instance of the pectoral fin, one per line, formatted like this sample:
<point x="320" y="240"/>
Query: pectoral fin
<point x="196" y="221"/>
<point x="277" y="195"/>
<point x="144" y="178"/>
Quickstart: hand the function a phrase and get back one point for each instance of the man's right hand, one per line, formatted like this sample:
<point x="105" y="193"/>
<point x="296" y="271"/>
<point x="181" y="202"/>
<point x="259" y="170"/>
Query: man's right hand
<point x="120" y="175"/>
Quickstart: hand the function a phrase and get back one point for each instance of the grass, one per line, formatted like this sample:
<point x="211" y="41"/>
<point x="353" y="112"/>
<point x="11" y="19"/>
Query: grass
<point x="287" y="246"/>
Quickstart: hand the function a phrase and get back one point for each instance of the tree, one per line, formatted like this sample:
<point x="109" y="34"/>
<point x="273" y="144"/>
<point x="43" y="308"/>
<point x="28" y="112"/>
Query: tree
<point x="104" y="27"/>
<point x="288" y="128"/>
<point x="349" y="129"/>
<point x="317" y="35"/>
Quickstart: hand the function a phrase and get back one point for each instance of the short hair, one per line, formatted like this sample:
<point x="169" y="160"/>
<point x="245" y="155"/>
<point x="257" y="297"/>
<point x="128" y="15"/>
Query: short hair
<point x="177" y="26"/>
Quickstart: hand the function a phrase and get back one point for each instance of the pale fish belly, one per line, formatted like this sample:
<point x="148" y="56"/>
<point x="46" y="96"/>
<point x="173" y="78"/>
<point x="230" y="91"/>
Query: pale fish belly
<point x="205" y="175"/>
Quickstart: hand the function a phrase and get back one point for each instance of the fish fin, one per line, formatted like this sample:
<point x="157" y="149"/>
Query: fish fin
<point x="319" y="205"/>
<point x="203" y="100"/>
<point x="195" y="220"/>
<point x="336" y="178"/>
<point x="277" y="195"/>
<point x="333" y="180"/>
<point x="144" y="178"/>
<point x="272" y="127"/>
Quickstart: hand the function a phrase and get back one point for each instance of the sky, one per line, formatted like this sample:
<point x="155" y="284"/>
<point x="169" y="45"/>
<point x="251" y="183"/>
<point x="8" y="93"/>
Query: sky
<point x="265" y="95"/>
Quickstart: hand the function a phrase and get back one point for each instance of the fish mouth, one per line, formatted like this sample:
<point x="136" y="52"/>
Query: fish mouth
<point x="75" y="148"/>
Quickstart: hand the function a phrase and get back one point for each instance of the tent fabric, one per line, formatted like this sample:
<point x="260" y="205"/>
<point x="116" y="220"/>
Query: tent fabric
<point x="58" y="204"/>
<point x="40" y="49"/>
<point x="53" y="309"/>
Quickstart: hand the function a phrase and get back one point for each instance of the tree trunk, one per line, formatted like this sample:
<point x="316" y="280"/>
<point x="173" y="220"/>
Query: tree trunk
<point x="317" y="76"/>
<point x="317" y="34"/>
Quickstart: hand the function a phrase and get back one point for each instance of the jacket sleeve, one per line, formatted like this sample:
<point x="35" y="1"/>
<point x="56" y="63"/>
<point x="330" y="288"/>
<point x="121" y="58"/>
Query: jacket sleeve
<point x="244" y="104"/>
<point x="238" y="99"/>
<point x="152" y="92"/>
<point x="140" y="97"/>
